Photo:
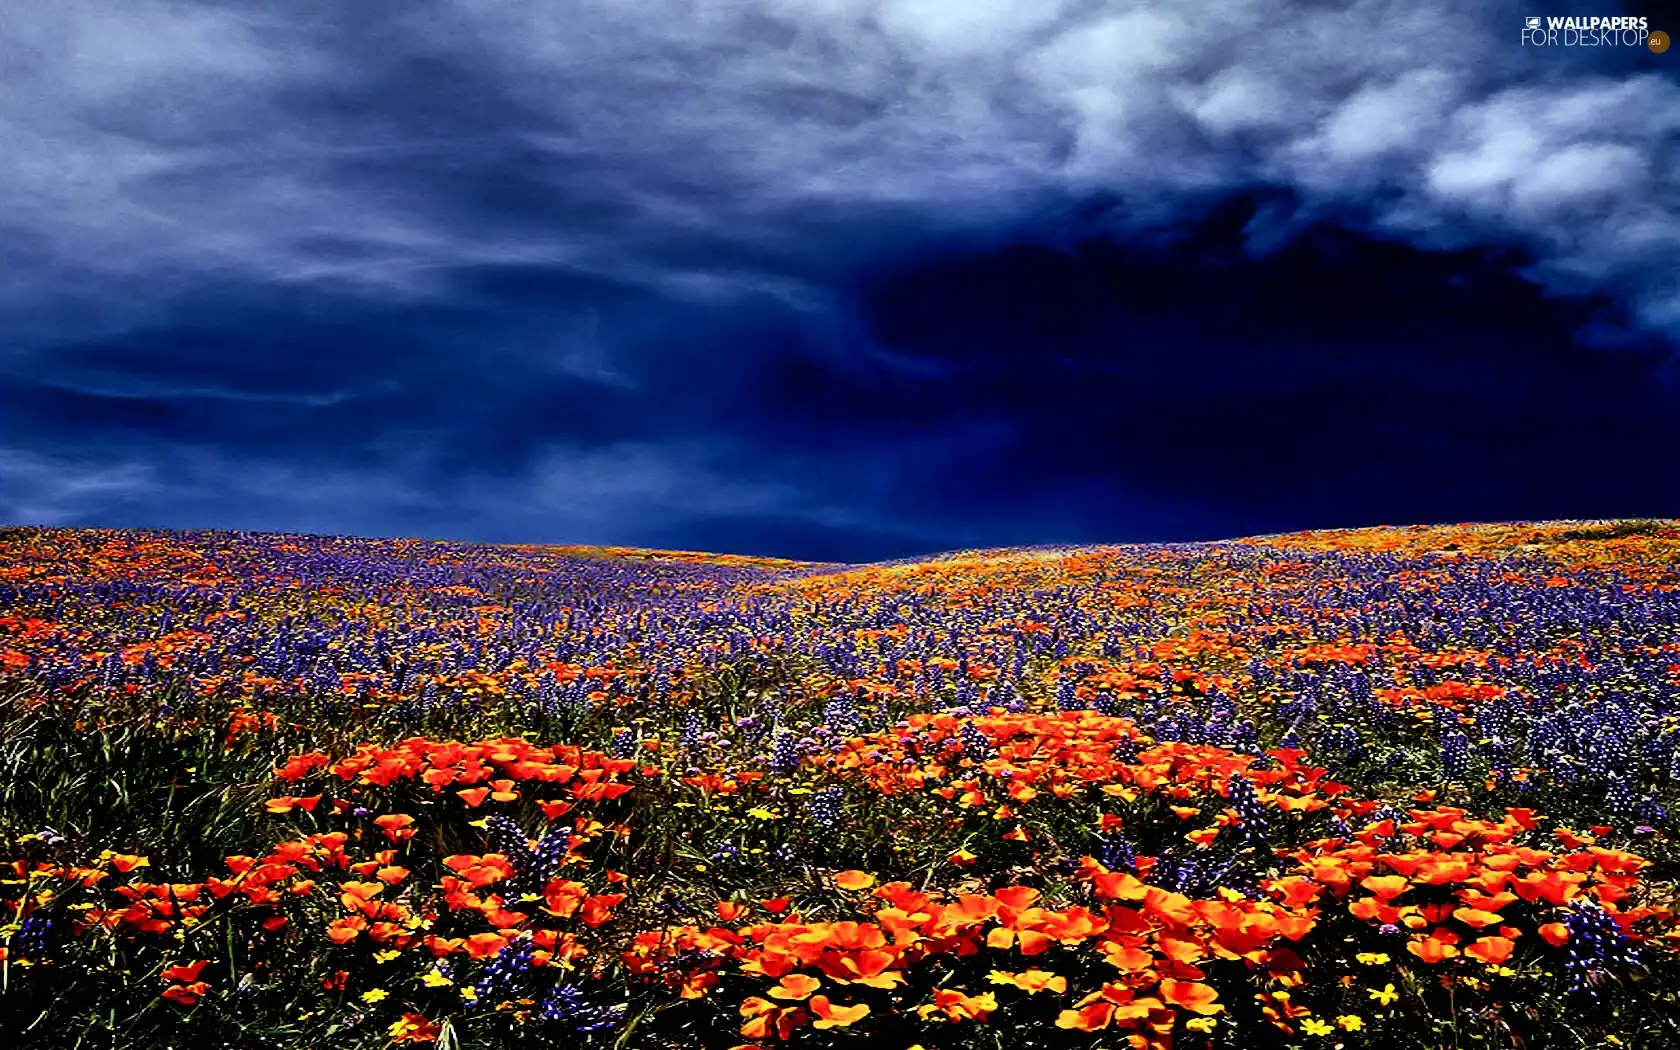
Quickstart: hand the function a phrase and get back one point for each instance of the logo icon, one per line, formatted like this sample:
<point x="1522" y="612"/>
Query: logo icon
<point x="1534" y="22"/>
<point x="1657" y="41"/>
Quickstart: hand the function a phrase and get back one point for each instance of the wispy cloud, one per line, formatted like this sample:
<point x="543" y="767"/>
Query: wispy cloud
<point x="45" y="490"/>
<point x="622" y="493"/>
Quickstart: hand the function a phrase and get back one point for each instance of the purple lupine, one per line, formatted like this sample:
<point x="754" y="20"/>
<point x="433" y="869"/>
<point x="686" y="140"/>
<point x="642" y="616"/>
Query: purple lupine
<point x="976" y="745"/>
<point x="1116" y="853"/>
<point x="784" y="755"/>
<point x="1246" y="801"/>
<point x="569" y="1007"/>
<point x="1455" y="755"/>
<point x="1067" y="699"/>
<point x="824" y="806"/>
<point x="1596" y="947"/>
<point x="505" y="974"/>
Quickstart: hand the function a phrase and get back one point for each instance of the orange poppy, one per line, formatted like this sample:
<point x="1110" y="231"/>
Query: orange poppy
<point x="1387" y="887"/>
<point x="765" y="1018"/>
<point x="729" y="911"/>
<point x="484" y="945"/>
<point x="1190" y="995"/>
<point x="795" y="986"/>
<point x="1477" y="917"/>
<point x="1089" y="1018"/>
<point x="1438" y="946"/>
<point x="184" y="972"/>
<point x="186" y="994"/>
<point x="833" y="1015"/>
<point x="1490" y="950"/>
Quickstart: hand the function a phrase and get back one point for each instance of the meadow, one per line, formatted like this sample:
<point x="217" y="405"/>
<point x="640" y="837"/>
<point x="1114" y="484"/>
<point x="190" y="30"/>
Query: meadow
<point x="1397" y="788"/>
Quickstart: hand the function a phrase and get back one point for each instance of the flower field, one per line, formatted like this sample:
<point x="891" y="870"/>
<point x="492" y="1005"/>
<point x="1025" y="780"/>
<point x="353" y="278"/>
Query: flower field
<point x="1397" y="788"/>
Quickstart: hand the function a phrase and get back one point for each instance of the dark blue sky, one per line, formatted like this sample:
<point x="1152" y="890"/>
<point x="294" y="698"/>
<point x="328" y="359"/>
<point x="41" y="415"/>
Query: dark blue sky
<point x="841" y="280"/>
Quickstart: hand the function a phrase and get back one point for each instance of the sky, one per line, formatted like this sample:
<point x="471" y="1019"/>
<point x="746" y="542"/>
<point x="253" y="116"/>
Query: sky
<point x="833" y="279"/>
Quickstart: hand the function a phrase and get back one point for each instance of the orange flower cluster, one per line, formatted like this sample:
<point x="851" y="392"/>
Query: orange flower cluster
<point x="1471" y="887"/>
<point x="493" y="768"/>
<point x="1452" y="694"/>
<point x="1064" y="755"/>
<point x="158" y="908"/>
<point x="1155" y="941"/>
<point x="184" y="987"/>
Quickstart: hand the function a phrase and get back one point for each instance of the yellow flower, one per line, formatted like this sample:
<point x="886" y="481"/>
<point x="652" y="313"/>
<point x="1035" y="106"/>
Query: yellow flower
<point x="1313" y="1026"/>
<point x="1372" y="958"/>
<point x="1384" y="997"/>
<point x="761" y="813"/>
<point x="1033" y="981"/>
<point x="1201" y="1024"/>
<point x="374" y="995"/>
<point x="435" y="979"/>
<point x="1351" y="1022"/>
<point x="386" y="956"/>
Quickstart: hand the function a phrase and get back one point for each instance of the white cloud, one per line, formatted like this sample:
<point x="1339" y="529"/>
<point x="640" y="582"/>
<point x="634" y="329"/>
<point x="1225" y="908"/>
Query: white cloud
<point x="1238" y="99"/>
<point x="977" y="28"/>
<point x="1397" y="118"/>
